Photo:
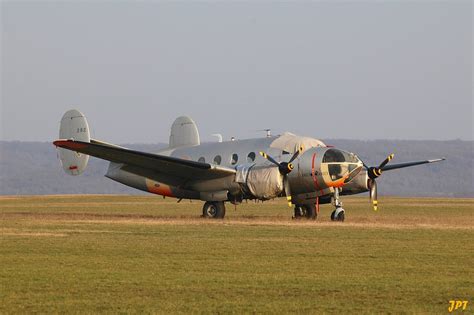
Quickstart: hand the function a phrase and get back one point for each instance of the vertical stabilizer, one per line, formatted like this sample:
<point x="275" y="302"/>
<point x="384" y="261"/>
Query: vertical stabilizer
<point x="184" y="133"/>
<point x="74" y="126"/>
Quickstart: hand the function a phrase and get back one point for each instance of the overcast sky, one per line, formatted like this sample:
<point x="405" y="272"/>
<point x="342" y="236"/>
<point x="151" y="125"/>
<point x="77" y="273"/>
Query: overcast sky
<point x="366" y="70"/>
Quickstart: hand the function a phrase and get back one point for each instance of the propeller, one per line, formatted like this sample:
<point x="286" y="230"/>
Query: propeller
<point x="373" y="173"/>
<point x="373" y="193"/>
<point x="285" y="168"/>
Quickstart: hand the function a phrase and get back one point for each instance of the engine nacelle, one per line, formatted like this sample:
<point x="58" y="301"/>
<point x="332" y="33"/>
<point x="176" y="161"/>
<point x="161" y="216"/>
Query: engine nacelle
<point x="263" y="182"/>
<point x="74" y="126"/>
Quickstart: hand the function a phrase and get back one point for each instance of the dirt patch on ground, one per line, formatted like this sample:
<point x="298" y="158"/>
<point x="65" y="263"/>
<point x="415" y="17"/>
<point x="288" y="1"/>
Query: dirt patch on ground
<point x="92" y="218"/>
<point x="13" y="232"/>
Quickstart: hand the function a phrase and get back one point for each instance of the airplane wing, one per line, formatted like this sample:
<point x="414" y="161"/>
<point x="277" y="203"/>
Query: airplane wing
<point x="408" y="164"/>
<point x="142" y="163"/>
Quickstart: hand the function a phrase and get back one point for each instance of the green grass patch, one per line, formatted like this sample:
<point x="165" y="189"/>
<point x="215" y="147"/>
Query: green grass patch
<point x="127" y="254"/>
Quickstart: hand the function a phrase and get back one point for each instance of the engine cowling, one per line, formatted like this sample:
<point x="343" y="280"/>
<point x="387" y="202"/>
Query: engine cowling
<point x="264" y="182"/>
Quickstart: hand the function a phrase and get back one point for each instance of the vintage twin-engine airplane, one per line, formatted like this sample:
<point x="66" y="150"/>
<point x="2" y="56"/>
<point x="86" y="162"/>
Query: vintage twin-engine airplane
<point x="303" y="169"/>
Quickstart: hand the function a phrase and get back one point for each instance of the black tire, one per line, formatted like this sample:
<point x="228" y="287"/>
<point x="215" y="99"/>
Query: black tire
<point x="310" y="212"/>
<point x="213" y="210"/>
<point x="307" y="211"/>
<point x="299" y="211"/>
<point x="341" y="216"/>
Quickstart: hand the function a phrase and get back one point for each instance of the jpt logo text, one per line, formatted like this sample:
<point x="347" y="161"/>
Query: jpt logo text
<point x="457" y="305"/>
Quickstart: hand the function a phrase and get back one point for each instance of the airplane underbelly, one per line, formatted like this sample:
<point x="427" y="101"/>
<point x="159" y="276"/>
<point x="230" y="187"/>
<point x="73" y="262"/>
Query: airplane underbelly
<point x="145" y="184"/>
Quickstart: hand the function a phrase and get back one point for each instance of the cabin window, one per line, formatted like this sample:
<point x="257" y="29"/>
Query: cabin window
<point x="218" y="159"/>
<point x="251" y="157"/>
<point x="202" y="159"/>
<point x="234" y="159"/>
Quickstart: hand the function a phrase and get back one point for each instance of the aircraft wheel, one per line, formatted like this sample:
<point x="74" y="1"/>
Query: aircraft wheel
<point x="338" y="215"/>
<point x="305" y="211"/>
<point x="213" y="209"/>
<point x="310" y="212"/>
<point x="299" y="211"/>
<point x="341" y="216"/>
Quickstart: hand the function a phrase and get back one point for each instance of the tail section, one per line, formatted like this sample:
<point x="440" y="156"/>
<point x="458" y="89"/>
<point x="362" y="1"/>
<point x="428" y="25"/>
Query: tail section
<point x="74" y="126"/>
<point x="184" y="133"/>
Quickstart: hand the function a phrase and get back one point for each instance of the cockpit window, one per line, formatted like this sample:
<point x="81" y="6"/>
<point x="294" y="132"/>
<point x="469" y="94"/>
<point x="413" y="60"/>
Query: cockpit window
<point x="338" y="156"/>
<point x="340" y="163"/>
<point x="337" y="170"/>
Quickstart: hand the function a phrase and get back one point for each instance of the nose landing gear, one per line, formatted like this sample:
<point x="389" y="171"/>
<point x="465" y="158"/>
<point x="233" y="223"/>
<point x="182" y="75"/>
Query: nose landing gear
<point x="338" y="214"/>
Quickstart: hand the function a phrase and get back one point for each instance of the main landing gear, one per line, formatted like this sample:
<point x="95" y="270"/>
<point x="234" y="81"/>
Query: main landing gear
<point x="307" y="211"/>
<point x="338" y="214"/>
<point x="213" y="210"/>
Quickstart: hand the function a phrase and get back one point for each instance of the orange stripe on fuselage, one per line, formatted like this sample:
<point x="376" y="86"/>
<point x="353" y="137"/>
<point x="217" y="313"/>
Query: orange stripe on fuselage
<point x="337" y="183"/>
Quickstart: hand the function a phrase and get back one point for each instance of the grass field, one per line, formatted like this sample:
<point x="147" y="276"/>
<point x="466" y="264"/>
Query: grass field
<point x="134" y="254"/>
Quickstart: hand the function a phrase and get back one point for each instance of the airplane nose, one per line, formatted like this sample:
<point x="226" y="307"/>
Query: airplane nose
<point x="339" y="167"/>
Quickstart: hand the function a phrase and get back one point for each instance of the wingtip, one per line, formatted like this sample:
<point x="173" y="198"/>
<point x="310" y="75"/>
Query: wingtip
<point x="61" y="141"/>
<point x="57" y="142"/>
<point x="69" y="144"/>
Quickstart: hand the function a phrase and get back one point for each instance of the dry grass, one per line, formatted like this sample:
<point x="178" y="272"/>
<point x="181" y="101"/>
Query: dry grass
<point x="121" y="254"/>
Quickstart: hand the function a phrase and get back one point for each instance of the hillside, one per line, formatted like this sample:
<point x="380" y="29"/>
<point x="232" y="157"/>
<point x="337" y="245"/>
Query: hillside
<point x="32" y="168"/>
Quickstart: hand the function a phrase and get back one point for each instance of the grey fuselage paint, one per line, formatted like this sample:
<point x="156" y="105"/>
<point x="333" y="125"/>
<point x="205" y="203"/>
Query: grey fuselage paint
<point x="310" y="178"/>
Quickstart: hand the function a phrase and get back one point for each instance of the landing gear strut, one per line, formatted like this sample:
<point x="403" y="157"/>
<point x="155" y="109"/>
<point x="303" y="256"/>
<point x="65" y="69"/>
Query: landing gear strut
<point x="213" y="210"/>
<point x="307" y="211"/>
<point x="338" y="214"/>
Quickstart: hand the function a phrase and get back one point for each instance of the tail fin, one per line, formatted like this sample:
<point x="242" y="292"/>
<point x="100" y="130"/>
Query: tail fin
<point x="73" y="126"/>
<point x="184" y="133"/>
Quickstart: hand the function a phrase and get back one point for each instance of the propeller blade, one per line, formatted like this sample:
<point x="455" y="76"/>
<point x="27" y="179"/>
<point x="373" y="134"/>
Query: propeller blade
<point x="388" y="159"/>
<point x="287" y="190"/>
<point x="269" y="158"/>
<point x="375" y="172"/>
<point x="284" y="167"/>
<point x="295" y="155"/>
<point x="373" y="194"/>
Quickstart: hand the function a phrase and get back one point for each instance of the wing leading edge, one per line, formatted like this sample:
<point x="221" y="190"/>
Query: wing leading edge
<point x="408" y="164"/>
<point x="179" y="170"/>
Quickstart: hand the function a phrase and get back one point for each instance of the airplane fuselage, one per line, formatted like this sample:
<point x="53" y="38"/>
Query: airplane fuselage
<point x="317" y="172"/>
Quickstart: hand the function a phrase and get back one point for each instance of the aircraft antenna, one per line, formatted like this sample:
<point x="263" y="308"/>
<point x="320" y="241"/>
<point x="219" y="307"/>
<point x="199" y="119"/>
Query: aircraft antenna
<point x="268" y="131"/>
